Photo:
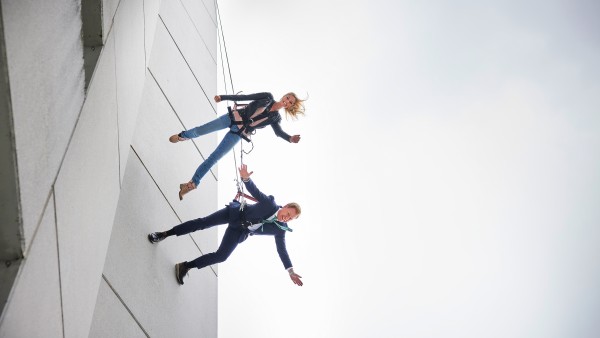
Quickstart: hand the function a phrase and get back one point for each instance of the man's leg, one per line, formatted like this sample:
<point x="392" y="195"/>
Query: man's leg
<point x="216" y="218"/>
<point x="228" y="244"/>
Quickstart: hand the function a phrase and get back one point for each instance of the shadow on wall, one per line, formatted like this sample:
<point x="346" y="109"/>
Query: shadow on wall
<point x="11" y="227"/>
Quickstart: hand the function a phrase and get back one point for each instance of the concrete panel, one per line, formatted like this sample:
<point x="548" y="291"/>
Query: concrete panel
<point x="130" y="69"/>
<point x="195" y="35"/>
<point x="211" y="7"/>
<point x="151" y="19"/>
<point x="170" y="69"/>
<point x="145" y="281"/>
<point x="35" y="298"/>
<point x="204" y="19"/>
<point x="11" y="233"/>
<point x="86" y="192"/>
<point x="109" y="9"/>
<point x="111" y="318"/>
<point x="91" y="36"/>
<point x="8" y="274"/>
<point x="45" y="66"/>
<point x="171" y="164"/>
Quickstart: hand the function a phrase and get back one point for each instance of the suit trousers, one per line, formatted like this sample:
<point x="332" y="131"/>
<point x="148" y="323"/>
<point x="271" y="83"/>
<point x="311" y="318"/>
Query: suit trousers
<point x="228" y="243"/>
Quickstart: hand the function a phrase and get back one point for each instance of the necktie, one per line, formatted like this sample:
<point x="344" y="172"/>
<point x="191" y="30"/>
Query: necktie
<point x="274" y="221"/>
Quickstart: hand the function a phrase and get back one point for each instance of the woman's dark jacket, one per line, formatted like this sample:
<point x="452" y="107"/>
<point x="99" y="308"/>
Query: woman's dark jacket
<point x="248" y="116"/>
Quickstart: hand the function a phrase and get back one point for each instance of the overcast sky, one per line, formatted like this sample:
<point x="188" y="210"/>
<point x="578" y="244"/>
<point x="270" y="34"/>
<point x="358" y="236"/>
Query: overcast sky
<point x="449" y="169"/>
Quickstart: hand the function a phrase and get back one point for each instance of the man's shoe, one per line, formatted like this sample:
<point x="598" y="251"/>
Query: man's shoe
<point x="180" y="272"/>
<point x="156" y="237"/>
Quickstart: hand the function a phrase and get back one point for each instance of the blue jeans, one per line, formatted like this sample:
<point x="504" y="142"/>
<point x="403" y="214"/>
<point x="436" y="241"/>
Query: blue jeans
<point x="228" y="142"/>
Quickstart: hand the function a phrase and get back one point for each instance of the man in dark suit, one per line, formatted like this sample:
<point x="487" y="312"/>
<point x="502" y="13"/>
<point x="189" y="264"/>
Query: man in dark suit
<point x="264" y="217"/>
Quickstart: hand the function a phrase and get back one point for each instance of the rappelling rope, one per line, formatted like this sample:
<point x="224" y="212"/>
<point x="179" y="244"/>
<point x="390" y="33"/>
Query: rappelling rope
<point x="241" y="195"/>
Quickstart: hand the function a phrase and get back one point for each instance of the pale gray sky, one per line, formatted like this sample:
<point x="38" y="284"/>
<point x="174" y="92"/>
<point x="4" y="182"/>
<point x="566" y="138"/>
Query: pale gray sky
<point x="448" y="169"/>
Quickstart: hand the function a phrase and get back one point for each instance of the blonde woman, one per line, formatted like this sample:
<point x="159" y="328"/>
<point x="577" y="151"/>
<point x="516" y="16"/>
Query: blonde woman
<point x="242" y="122"/>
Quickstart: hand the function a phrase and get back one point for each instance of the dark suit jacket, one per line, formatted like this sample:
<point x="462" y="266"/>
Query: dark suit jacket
<point x="256" y="213"/>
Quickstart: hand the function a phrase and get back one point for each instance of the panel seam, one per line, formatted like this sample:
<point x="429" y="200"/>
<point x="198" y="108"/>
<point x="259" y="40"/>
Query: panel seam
<point x="125" y="305"/>
<point x="178" y="118"/>
<point x="169" y="203"/>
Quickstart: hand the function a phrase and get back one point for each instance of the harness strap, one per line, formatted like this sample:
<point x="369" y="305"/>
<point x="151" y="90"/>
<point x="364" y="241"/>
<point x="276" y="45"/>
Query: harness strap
<point x="247" y="125"/>
<point x="237" y="123"/>
<point x="248" y="121"/>
<point x="240" y="193"/>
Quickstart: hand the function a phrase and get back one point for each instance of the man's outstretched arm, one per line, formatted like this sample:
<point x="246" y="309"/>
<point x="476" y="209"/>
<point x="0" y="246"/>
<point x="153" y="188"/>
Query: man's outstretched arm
<point x="285" y="259"/>
<point x="252" y="189"/>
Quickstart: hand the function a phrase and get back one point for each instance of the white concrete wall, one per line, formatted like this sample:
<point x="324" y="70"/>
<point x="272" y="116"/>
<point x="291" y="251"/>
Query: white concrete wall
<point x="45" y="65"/>
<point x="36" y="294"/>
<point x="97" y="172"/>
<point x="142" y="274"/>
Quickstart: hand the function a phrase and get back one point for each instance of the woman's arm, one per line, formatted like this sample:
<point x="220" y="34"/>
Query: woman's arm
<point x="250" y="97"/>
<point x="279" y="132"/>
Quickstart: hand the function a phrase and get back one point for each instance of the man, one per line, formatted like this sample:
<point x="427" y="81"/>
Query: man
<point x="263" y="218"/>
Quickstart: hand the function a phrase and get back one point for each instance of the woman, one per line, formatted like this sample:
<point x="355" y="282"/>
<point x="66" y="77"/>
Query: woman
<point x="242" y="122"/>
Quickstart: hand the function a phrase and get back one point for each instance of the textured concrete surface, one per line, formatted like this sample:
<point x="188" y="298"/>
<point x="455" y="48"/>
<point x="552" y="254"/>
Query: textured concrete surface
<point x="190" y="39"/>
<point x="36" y="297"/>
<point x="109" y="9"/>
<point x="151" y="8"/>
<point x="130" y="63"/>
<point x="112" y="318"/>
<point x="11" y="235"/>
<point x="86" y="192"/>
<point x="177" y="162"/>
<point x="172" y="72"/>
<point x="209" y="5"/>
<point x="100" y="165"/>
<point x="143" y="274"/>
<point x="203" y="17"/>
<point x="45" y="67"/>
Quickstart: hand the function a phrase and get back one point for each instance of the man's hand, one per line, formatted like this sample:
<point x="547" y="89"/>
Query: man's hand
<point x="295" y="139"/>
<point x="296" y="279"/>
<point x="244" y="174"/>
<point x="217" y="98"/>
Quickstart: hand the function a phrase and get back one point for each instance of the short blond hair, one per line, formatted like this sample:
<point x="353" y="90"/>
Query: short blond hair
<point x="294" y="206"/>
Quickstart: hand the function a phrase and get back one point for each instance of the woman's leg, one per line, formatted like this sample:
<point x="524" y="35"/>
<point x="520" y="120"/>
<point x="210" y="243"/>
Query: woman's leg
<point x="219" y="123"/>
<point x="228" y="142"/>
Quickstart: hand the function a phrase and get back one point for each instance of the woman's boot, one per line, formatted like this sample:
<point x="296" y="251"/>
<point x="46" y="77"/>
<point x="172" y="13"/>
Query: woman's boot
<point x="184" y="188"/>
<point x="177" y="138"/>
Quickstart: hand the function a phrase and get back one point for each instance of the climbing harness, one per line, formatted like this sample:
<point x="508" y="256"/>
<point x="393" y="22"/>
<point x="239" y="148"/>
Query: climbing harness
<point x="245" y="126"/>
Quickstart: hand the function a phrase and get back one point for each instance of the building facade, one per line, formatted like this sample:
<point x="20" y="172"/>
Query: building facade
<point x="90" y="92"/>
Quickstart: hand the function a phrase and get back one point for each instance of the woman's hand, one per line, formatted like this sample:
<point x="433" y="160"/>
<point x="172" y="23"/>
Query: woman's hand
<point x="295" y="139"/>
<point x="217" y="98"/>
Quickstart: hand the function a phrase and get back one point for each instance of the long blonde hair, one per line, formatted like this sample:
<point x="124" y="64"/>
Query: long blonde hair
<point x="297" y="108"/>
